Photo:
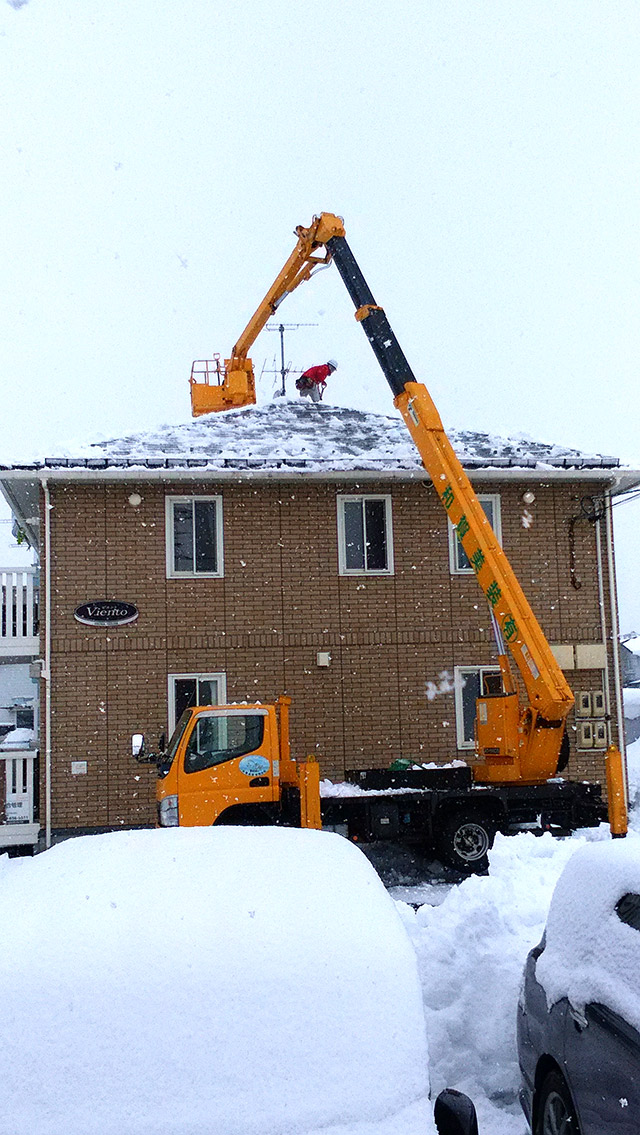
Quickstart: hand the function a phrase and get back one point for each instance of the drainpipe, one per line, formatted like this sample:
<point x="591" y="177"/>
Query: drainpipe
<point x="603" y="625"/>
<point x="46" y="673"/>
<point x="615" y="628"/>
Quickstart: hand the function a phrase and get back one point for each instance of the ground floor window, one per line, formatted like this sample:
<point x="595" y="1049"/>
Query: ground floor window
<point x="186" y="690"/>
<point x="472" y="682"/>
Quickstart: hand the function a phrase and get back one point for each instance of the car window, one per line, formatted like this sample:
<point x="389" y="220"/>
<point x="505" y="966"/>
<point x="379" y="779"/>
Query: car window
<point x="628" y="910"/>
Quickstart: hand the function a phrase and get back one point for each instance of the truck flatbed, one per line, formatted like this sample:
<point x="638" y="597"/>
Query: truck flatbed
<point x="443" y="809"/>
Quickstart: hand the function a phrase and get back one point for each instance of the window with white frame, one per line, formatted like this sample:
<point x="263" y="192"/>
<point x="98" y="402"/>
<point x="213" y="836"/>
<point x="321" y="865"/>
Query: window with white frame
<point x="458" y="559"/>
<point x="471" y="683"/>
<point x="365" y="539"/>
<point x="194" y="536"/>
<point x="187" y="690"/>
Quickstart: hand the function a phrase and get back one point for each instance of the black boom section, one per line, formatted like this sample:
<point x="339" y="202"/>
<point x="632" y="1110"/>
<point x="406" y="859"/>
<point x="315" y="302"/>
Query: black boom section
<point x="375" y="325"/>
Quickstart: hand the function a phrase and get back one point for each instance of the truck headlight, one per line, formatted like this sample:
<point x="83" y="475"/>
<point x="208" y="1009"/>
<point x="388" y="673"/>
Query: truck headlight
<point x="168" y="812"/>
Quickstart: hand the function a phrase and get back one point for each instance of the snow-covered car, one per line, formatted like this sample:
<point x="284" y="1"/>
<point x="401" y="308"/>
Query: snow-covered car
<point x="227" y="981"/>
<point x="579" y="1008"/>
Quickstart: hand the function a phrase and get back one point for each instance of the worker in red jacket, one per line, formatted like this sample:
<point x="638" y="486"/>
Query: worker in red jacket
<point x="312" y="383"/>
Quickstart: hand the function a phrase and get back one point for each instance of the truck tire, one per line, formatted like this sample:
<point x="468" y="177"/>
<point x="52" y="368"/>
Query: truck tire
<point x="464" y="839"/>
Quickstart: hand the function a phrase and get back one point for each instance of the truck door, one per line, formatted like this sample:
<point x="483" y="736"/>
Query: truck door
<point x="229" y="758"/>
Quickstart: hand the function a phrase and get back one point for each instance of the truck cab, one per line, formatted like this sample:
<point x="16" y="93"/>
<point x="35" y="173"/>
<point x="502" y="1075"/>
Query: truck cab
<point x="231" y="764"/>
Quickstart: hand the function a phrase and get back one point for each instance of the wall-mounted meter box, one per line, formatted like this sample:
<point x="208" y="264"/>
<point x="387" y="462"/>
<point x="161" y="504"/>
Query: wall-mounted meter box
<point x="585" y="735"/>
<point x="599" y="707"/>
<point x="600" y="738"/>
<point x="583" y="704"/>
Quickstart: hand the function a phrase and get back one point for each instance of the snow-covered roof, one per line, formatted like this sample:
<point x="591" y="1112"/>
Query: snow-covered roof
<point x="632" y="644"/>
<point x="287" y="434"/>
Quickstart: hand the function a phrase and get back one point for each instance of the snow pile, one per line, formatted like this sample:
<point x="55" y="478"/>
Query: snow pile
<point x="228" y="981"/>
<point x="631" y="697"/>
<point x="344" y="788"/>
<point x="590" y="954"/>
<point x="18" y="739"/>
<point x="471" y="953"/>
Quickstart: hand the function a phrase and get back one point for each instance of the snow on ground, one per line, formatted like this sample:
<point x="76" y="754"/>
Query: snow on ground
<point x="471" y="950"/>
<point x="470" y="939"/>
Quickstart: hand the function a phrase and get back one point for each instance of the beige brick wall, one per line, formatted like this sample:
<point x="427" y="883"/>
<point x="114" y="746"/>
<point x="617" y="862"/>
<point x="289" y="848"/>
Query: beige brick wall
<point x="281" y="600"/>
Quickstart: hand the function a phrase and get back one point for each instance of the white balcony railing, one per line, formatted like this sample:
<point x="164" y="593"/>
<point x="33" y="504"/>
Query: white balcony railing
<point x="19" y="596"/>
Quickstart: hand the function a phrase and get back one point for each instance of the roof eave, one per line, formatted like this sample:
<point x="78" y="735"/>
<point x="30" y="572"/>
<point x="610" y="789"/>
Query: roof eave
<point x="622" y="479"/>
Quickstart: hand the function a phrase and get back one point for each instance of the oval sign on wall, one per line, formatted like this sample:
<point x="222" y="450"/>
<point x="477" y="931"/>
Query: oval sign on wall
<point x="106" y="613"/>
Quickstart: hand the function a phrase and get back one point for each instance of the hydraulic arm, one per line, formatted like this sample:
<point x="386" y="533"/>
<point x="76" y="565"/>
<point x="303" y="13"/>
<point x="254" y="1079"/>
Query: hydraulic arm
<point x="234" y="385"/>
<point x="514" y="743"/>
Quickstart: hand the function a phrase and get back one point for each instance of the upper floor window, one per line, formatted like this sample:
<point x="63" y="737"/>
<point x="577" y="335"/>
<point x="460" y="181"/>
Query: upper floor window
<point x="194" y="536"/>
<point x="365" y="539"/>
<point x="458" y="559"/>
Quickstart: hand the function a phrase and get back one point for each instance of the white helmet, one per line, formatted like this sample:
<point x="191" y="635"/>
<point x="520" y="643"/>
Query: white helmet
<point x="332" y="363"/>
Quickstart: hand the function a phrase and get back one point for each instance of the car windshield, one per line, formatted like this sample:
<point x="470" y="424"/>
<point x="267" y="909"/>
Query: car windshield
<point x="223" y="737"/>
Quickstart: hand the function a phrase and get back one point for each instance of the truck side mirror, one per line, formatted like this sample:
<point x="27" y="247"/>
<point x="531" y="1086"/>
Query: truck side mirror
<point x="454" y="1114"/>
<point x="162" y="743"/>
<point x="137" y="746"/>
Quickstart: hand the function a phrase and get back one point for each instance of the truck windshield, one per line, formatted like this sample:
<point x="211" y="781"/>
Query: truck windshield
<point x="218" y="738"/>
<point x="166" y="760"/>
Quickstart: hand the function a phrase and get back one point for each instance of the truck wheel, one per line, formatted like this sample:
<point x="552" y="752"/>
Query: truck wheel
<point x="464" y="840"/>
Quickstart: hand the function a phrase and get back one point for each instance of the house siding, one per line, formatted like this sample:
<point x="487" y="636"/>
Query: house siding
<point x="280" y="601"/>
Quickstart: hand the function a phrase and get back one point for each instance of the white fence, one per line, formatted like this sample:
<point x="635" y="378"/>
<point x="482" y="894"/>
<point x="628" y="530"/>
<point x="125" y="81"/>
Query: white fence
<point x="19" y="595"/>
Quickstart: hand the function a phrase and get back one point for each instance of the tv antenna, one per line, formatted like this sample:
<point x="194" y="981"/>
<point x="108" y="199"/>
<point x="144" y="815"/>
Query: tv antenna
<point x="281" y="328"/>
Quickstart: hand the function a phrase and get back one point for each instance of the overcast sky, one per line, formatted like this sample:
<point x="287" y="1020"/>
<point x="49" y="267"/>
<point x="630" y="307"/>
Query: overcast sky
<point x="157" y="157"/>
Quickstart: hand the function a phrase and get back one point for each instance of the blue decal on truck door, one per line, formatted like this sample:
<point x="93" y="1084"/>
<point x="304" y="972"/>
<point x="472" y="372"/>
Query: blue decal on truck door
<point x="254" y="766"/>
